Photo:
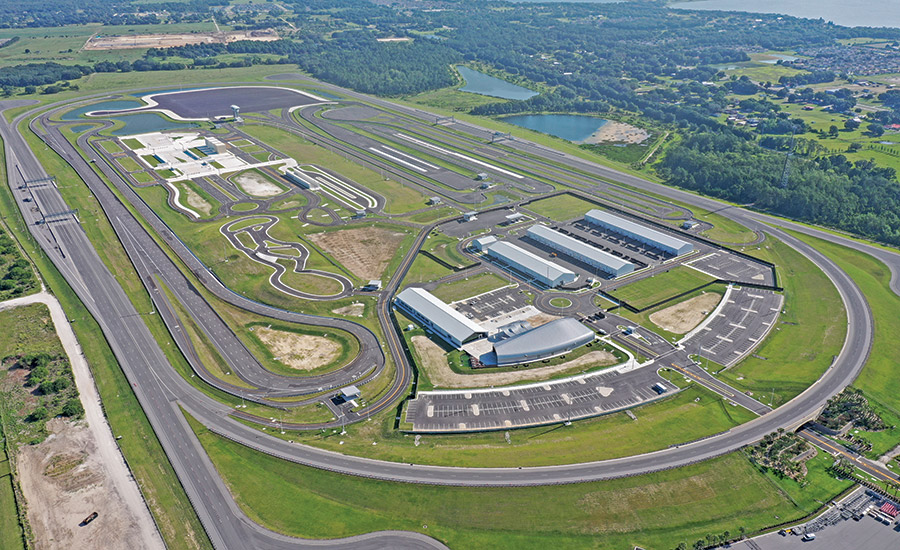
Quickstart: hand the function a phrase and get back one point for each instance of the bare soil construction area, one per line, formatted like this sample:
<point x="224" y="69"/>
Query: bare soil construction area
<point x="256" y="185"/>
<point x="683" y="317"/>
<point x="618" y="132"/>
<point x="134" y="41"/>
<point x="353" y="310"/>
<point x="299" y="351"/>
<point x="64" y="480"/>
<point x="434" y="361"/>
<point x="365" y="251"/>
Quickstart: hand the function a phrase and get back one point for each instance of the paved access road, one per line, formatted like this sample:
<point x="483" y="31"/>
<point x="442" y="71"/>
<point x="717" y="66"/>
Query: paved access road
<point x="146" y="368"/>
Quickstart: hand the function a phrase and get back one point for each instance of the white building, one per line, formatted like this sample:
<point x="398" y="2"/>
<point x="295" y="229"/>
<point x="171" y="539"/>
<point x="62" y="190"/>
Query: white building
<point x="437" y="317"/>
<point x="581" y="251"/>
<point x="531" y="265"/>
<point x="638" y="232"/>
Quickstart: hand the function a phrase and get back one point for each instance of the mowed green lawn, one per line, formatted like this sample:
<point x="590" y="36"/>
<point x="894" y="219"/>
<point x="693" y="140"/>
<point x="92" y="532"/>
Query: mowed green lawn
<point x="655" y="511"/>
<point x="688" y="415"/>
<point x="561" y="207"/>
<point x="470" y="286"/>
<point x="400" y="198"/>
<point x="809" y="332"/>
<point x="657" y="288"/>
<point x="879" y="377"/>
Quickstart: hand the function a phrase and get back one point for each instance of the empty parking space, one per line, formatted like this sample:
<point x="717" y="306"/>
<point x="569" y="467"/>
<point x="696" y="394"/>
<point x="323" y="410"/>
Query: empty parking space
<point x="731" y="267"/>
<point x="532" y="405"/>
<point x="746" y="317"/>
<point x="493" y="304"/>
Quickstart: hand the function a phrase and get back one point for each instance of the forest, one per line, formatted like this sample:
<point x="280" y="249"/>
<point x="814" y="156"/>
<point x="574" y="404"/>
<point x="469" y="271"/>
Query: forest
<point x="635" y="57"/>
<point x="825" y="189"/>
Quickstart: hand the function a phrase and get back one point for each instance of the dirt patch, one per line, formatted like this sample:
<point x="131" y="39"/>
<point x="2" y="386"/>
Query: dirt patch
<point x="365" y="251"/>
<point x="541" y="319"/>
<point x="64" y="480"/>
<point x="170" y="40"/>
<point x="618" y="132"/>
<point x="299" y="351"/>
<point x="434" y="361"/>
<point x="353" y="310"/>
<point x="682" y="318"/>
<point x="256" y="185"/>
<point x="195" y="201"/>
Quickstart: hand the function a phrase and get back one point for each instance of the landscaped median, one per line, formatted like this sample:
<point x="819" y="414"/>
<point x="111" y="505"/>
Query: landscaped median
<point x="652" y="511"/>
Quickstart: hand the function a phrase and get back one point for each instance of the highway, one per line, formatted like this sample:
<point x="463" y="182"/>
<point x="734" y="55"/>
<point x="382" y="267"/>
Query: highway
<point x="147" y="369"/>
<point x="161" y="390"/>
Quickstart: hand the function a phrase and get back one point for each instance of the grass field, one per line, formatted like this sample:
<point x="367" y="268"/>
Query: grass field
<point x="808" y="334"/>
<point x="127" y="163"/>
<point x="400" y="199"/>
<point x="63" y="44"/>
<point x="142" y="177"/>
<point x="469" y="286"/>
<point x="561" y="207"/>
<point x="424" y="269"/>
<point x="175" y="517"/>
<point x="643" y="318"/>
<point x="691" y="414"/>
<point x="11" y="535"/>
<point x="878" y="378"/>
<point x="28" y="329"/>
<point x="111" y="147"/>
<point x="655" y="511"/>
<point x="444" y="247"/>
<point x="657" y="288"/>
<point x="308" y="282"/>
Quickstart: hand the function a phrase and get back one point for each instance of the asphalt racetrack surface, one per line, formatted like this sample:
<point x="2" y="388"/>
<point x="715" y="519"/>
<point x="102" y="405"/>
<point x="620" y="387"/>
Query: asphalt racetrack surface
<point x="216" y="102"/>
<point x="160" y="390"/>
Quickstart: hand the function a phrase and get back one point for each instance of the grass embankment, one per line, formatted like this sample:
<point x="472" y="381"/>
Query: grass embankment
<point x="656" y="288"/>
<point x="424" y="269"/>
<point x="806" y="337"/>
<point x="643" y="318"/>
<point x="879" y="377"/>
<point x="686" y="416"/>
<point x="655" y="511"/>
<point x="11" y="535"/>
<point x="165" y="496"/>
<point x="444" y="247"/>
<point x="400" y="198"/>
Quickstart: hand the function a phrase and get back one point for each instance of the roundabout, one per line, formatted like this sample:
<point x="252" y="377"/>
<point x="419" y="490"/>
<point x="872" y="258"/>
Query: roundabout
<point x="162" y="391"/>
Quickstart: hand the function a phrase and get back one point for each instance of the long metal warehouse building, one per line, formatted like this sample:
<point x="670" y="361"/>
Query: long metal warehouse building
<point x="436" y="316"/>
<point x="549" y="340"/>
<point x="638" y="232"/>
<point x="519" y="259"/>
<point x="581" y="251"/>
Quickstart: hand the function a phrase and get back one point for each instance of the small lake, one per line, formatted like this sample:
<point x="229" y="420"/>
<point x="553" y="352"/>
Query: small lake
<point x="575" y="128"/>
<point x="75" y="114"/>
<point x="142" y="123"/>
<point x="850" y="13"/>
<point x="480" y="83"/>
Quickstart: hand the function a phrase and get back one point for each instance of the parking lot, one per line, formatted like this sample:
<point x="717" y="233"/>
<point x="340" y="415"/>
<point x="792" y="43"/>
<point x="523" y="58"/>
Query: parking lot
<point x="747" y="315"/>
<point x="636" y="252"/>
<point x="484" y="220"/>
<point x="494" y="304"/>
<point x="731" y="267"/>
<point x="840" y="528"/>
<point x="534" y="404"/>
